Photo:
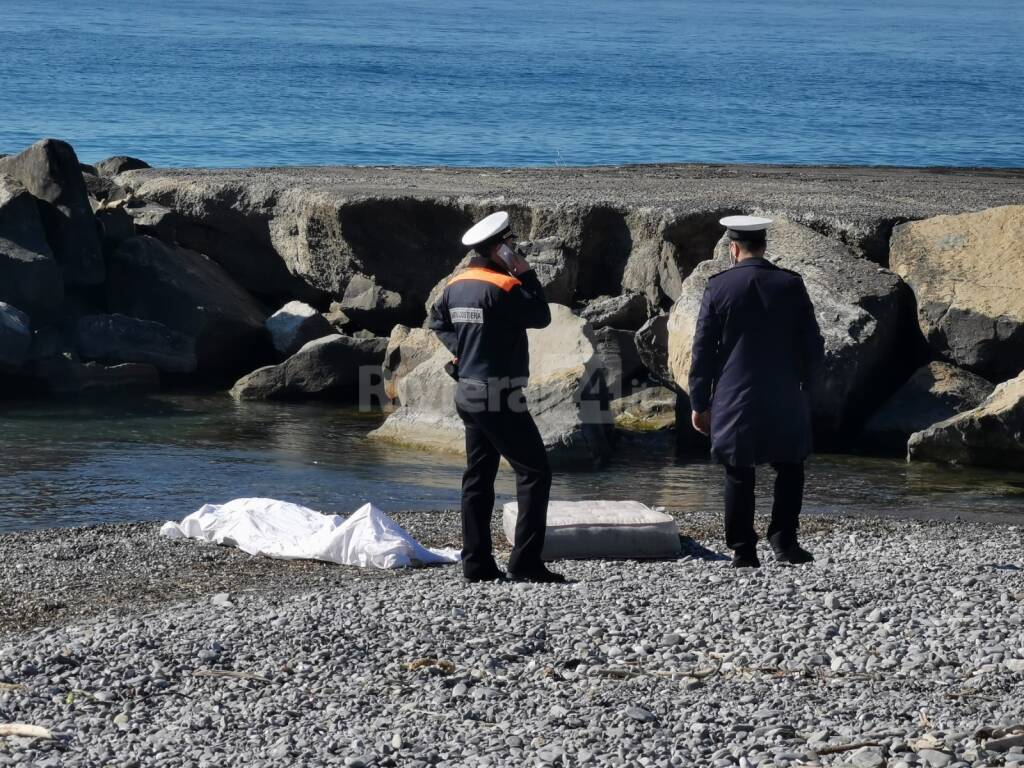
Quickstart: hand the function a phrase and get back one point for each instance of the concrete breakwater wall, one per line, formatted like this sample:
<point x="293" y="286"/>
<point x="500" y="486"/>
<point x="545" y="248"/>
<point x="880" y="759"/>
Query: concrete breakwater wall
<point x="117" y="275"/>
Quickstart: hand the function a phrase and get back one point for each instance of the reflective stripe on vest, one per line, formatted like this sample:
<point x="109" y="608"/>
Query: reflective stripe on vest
<point x="505" y="282"/>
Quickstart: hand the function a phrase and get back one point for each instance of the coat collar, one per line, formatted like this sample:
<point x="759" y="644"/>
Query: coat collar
<point x="753" y="261"/>
<point x="481" y="262"/>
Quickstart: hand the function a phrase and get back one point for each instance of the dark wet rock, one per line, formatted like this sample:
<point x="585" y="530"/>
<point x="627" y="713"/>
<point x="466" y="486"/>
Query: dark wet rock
<point x="112" y="166"/>
<point x="49" y="170"/>
<point x="652" y="346"/>
<point x="64" y="375"/>
<point x="191" y="294"/>
<point x="30" y="278"/>
<point x="102" y="188"/>
<point x="617" y="351"/>
<point x="990" y="435"/>
<point x="335" y="366"/>
<point x="295" y="324"/>
<point x="936" y="392"/>
<point x="15" y="336"/>
<point x="628" y="311"/>
<point x="121" y="339"/>
<point x="967" y="272"/>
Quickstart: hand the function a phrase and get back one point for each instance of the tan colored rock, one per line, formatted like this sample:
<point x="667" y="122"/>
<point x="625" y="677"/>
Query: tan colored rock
<point x="967" y="272"/>
<point x="565" y="392"/>
<point x="990" y="435"/>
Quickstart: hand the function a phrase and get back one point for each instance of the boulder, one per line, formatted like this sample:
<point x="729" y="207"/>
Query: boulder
<point x="102" y="189"/>
<point x="334" y="366"/>
<point x="15" y="337"/>
<point x="628" y="311"/>
<point x="119" y="164"/>
<point x="121" y="339"/>
<point x="191" y="294"/>
<point x="49" y="170"/>
<point x="646" y="409"/>
<point x="115" y="226"/>
<point x="295" y="324"/>
<point x="936" y="392"/>
<point x="30" y="278"/>
<point x="652" y="347"/>
<point x="863" y="311"/>
<point x="336" y="317"/>
<point x="556" y="269"/>
<point x="990" y="435"/>
<point x="967" y="272"/>
<point x="372" y="307"/>
<point x="407" y="348"/>
<point x="619" y="358"/>
<point x="566" y="393"/>
<point x="153" y="219"/>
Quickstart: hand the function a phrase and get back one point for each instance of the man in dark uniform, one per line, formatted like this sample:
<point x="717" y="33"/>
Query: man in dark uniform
<point x="756" y="348"/>
<point x="482" y="318"/>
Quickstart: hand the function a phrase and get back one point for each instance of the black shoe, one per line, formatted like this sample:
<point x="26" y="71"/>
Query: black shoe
<point x="745" y="558"/>
<point x="497" y="575"/>
<point x="793" y="554"/>
<point x="538" y="575"/>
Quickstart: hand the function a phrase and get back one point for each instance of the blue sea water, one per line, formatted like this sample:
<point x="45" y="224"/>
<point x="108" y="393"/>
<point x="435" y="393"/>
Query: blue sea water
<point x="491" y="82"/>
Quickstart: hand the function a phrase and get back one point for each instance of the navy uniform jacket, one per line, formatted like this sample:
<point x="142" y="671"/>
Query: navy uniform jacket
<point x="756" y="349"/>
<point x="482" y="318"/>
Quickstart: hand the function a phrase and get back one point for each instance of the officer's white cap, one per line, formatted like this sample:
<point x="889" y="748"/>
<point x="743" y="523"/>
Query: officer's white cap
<point x="486" y="228"/>
<point x="745" y="223"/>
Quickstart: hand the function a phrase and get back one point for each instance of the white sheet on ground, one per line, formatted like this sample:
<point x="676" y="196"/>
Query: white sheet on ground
<point x="368" y="537"/>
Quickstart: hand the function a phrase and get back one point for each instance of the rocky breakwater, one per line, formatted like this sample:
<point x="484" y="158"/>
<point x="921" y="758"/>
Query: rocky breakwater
<point x="207" y="266"/>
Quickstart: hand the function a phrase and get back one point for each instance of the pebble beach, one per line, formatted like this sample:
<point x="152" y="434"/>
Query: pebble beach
<point x="902" y="645"/>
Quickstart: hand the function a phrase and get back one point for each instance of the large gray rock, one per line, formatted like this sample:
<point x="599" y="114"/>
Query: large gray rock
<point x="295" y="324"/>
<point x="15" y="336"/>
<point x="652" y="346"/>
<point x="121" y="339"/>
<point x="102" y="189"/>
<point x="191" y="294"/>
<point x="407" y="349"/>
<point x="555" y="266"/>
<point x="619" y="358"/>
<point x="335" y="366"/>
<point x="863" y="311"/>
<point x="112" y="166"/>
<point x="29" y="276"/>
<point x="936" y="392"/>
<point x="967" y="273"/>
<point x="990" y="435"/>
<point x="372" y="307"/>
<point x="628" y="311"/>
<point x="49" y="170"/>
<point x="566" y="393"/>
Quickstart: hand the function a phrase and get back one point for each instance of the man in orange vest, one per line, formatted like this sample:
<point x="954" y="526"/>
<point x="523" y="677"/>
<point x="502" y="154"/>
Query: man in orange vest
<point x="482" y="318"/>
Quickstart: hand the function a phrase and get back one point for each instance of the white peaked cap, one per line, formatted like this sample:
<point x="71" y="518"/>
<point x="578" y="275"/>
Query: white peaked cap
<point x="486" y="228"/>
<point x="745" y="223"/>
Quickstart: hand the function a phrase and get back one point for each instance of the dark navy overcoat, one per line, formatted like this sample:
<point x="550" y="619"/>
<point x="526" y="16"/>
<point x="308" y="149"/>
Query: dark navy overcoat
<point x="756" y="349"/>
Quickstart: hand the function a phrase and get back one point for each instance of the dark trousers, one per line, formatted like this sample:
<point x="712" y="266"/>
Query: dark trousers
<point x="499" y="425"/>
<point x="739" y="505"/>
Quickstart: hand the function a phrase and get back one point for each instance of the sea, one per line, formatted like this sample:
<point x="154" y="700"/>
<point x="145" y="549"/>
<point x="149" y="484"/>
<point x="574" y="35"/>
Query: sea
<point x="477" y="83"/>
<point x="529" y="83"/>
